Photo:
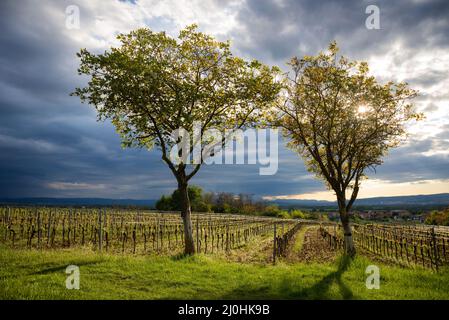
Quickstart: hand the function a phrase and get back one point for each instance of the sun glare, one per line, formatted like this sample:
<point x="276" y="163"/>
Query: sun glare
<point x="362" y="109"/>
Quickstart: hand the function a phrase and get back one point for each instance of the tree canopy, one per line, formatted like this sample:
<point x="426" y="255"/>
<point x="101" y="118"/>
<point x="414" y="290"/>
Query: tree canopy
<point x="174" y="201"/>
<point x="153" y="84"/>
<point x="341" y="120"/>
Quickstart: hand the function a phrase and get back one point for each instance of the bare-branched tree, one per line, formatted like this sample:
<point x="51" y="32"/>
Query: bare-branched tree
<point x="342" y="121"/>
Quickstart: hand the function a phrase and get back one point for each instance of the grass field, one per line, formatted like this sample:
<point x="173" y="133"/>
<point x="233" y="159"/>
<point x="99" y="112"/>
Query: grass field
<point x="30" y="274"/>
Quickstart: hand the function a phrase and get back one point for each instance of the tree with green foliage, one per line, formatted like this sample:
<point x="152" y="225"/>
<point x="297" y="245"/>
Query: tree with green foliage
<point x="298" y="214"/>
<point x="195" y="196"/>
<point x="439" y="218"/>
<point x="164" y="203"/>
<point x="153" y="84"/>
<point x="174" y="202"/>
<point x="342" y="122"/>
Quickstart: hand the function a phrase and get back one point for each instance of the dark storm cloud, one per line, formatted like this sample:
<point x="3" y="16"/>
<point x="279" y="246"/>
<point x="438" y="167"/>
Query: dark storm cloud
<point x="291" y="178"/>
<point x="51" y="145"/>
<point x="278" y="30"/>
<point x="49" y="142"/>
<point x="407" y="165"/>
<point x="35" y="57"/>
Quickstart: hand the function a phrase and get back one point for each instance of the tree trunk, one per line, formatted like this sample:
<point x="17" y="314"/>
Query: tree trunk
<point x="349" y="247"/>
<point x="189" y="244"/>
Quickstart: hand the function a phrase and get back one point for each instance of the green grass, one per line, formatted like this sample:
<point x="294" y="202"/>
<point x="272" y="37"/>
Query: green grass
<point x="299" y="239"/>
<point x="41" y="275"/>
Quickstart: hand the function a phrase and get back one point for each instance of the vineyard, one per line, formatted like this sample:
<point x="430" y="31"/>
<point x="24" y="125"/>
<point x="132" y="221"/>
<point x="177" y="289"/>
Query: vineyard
<point x="427" y="246"/>
<point x="136" y="231"/>
<point x="128" y="254"/>
<point x="143" y="232"/>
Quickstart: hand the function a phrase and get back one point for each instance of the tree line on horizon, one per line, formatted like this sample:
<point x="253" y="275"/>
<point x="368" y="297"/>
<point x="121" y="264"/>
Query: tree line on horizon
<point x="226" y="202"/>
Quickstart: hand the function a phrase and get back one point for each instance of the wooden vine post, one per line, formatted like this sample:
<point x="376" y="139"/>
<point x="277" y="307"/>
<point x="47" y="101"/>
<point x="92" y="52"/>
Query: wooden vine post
<point x="197" y="236"/>
<point x="100" y="230"/>
<point x="38" y="229"/>
<point x="435" y="248"/>
<point x="274" y="244"/>
<point x="48" y="227"/>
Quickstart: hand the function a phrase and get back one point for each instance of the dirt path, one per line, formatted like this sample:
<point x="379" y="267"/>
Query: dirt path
<point x="309" y="246"/>
<point x="306" y="246"/>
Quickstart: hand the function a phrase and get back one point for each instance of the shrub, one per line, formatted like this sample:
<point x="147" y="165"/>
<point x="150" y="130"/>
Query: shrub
<point x="438" y="218"/>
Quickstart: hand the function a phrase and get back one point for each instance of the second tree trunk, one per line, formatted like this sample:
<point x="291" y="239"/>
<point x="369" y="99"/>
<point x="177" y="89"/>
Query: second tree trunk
<point x="347" y="231"/>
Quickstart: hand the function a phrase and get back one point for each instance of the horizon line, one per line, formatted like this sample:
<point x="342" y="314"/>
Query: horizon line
<point x="154" y="199"/>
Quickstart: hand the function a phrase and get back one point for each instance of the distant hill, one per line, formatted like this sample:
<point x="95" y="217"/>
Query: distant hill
<point x="77" y="202"/>
<point x="433" y="200"/>
<point x="441" y="199"/>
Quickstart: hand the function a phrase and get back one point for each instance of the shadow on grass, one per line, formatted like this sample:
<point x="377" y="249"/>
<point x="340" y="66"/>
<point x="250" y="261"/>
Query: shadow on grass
<point x="61" y="268"/>
<point x="289" y="289"/>
<point x="43" y="271"/>
<point x="181" y="256"/>
<point x="320" y="290"/>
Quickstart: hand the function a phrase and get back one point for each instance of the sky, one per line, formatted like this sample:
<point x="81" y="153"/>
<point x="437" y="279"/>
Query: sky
<point x="52" y="146"/>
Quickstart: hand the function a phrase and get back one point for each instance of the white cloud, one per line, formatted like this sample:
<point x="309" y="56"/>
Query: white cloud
<point x="102" y="21"/>
<point x="377" y="188"/>
<point x="75" y="186"/>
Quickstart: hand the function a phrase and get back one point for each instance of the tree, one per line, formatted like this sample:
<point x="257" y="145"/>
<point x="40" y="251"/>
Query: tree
<point x="174" y="202"/>
<point x="342" y="122"/>
<point x="195" y="194"/>
<point x="153" y="85"/>
<point x="298" y="214"/>
<point x="164" y="204"/>
<point x="438" y="217"/>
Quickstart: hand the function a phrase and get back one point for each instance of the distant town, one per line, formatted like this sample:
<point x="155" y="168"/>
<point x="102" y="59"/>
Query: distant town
<point x="382" y="215"/>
